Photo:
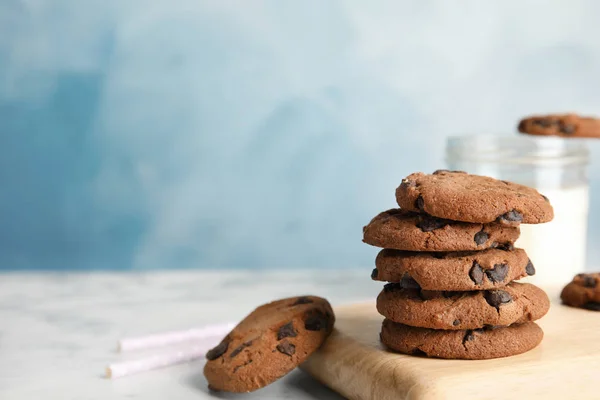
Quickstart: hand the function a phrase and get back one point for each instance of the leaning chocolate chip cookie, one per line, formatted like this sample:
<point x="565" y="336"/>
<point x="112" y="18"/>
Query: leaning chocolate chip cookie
<point x="477" y="344"/>
<point x="583" y="291"/>
<point x="472" y="198"/>
<point x="513" y="303"/>
<point x="405" y="230"/>
<point x="565" y="125"/>
<point x="455" y="271"/>
<point x="270" y="342"/>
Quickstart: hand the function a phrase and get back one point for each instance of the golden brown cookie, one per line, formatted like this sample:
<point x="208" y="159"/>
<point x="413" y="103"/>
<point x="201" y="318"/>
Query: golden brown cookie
<point x="270" y="342"/>
<point x="583" y="291"/>
<point x="564" y="125"/>
<point x="456" y="271"/>
<point x="405" y="230"/>
<point x="514" y="303"/>
<point x="460" y="196"/>
<point x="477" y="344"/>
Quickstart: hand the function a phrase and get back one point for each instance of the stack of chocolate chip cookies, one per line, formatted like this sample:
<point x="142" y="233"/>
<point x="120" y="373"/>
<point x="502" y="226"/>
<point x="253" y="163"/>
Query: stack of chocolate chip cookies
<point x="449" y="258"/>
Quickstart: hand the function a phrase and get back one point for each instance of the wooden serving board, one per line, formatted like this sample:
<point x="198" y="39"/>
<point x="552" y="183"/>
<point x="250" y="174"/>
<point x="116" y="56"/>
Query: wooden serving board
<point x="566" y="365"/>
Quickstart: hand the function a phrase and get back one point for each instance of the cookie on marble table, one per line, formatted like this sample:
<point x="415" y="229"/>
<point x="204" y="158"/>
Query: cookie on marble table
<point x="564" y="125"/>
<point x="405" y="230"/>
<point x="513" y="303"/>
<point x="270" y="342"/>
<point x="476" y="344"/>
<point x="583" y="291"/>
<point x="464" y="197"/>
<point x="454" y="271"/>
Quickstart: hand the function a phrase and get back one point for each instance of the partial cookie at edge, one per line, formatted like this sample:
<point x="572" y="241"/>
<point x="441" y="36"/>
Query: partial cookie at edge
<point x="583" y="291"/>
<point x="563" y="125"/>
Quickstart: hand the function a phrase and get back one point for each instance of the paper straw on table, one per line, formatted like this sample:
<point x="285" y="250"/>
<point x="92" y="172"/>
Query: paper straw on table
<point x="206" y="338"/>
<point x="118" y="370"/>
<point x="174" y="337"/>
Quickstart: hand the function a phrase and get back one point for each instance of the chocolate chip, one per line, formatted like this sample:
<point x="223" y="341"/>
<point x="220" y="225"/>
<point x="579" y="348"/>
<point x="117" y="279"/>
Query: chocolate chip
<point x="374" y="273"/>
<point x="239" y="349"/>
<point x="529" y="268"/>
<point x="589" y="281"/>
<point x="468" y="336"/>
<point x="392" y="287"/>
<point x="428" y="223"/>
<point x="418" y="352"/>
<point x="498" y="273"/>
<point x="481" y="237"/>
<point x="543" y="122"/>
<point x="420" y="203"/>
<point x="286" y="348"/>
<point x="504" y="246"/>
<point x="315" y="321"/>
<point x="567" y="129"/>
<point x="476" y="273"/>
<point x="217" y="351"/>
<point x="511" y="216"/>
<point x="592" y="305"/>
<point x="496" y="298"/>
<point x="302" y="300"/>
<point x="456" y="322"/>
<point x="407" y="282"/>
<point x="286" y="330"/>
<point x="545" y="198"/>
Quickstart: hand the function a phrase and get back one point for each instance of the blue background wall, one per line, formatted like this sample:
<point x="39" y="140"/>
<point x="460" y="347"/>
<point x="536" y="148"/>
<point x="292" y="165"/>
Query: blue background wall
<point x="190" y="133"/>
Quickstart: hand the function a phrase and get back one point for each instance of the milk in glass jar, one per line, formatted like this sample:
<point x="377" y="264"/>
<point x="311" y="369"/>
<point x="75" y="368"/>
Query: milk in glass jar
<point x="557" y="168"/>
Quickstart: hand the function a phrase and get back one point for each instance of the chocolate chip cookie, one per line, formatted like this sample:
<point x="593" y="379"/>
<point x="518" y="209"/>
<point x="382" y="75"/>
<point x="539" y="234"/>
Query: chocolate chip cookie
<point x="270" y="342"/>
<point x="565" y="125"/>
<point x="583" y="291"/>
<point x="405" y="230"/>
<point x="476" y="344"/>
<point x="513" y="303"/>
<point x="463" y="197"/>
<point x="455" y="271"/>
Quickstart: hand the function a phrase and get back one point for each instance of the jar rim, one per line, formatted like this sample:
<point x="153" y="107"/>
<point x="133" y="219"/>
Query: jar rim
<point x="517" y="149"/>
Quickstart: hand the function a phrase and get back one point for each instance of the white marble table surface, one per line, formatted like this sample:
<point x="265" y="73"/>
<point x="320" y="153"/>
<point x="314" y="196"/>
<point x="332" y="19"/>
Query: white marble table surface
<point x="58" y="331"/>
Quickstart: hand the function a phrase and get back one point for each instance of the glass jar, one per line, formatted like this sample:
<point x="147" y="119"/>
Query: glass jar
<point x="557" y="168"/>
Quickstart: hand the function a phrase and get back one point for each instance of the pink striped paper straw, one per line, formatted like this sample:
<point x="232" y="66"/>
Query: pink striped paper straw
<point x="205" y="339"/>
<point x="174" y="337"/>
<point x="118" y="370"/>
